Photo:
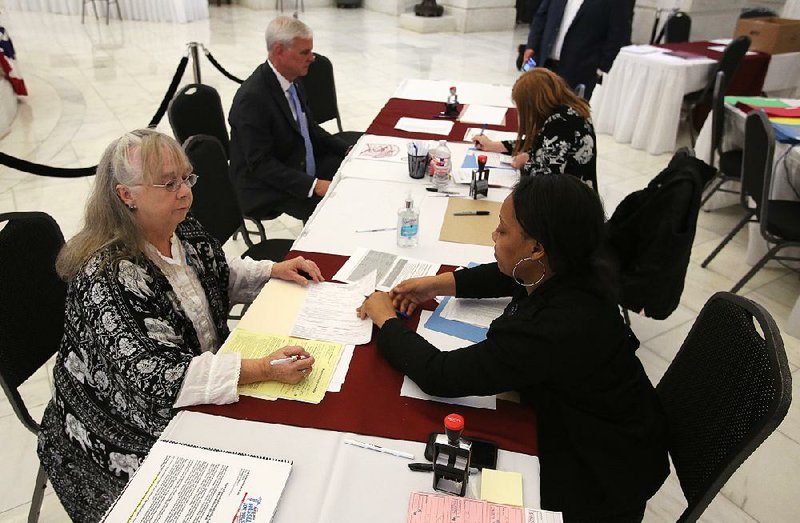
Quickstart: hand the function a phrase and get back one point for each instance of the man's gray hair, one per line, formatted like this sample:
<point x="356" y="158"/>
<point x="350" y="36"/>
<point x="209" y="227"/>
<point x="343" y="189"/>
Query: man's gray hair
<point x="284" y="29"/>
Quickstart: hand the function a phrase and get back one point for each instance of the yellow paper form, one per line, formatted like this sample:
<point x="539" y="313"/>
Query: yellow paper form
<point x="499" y="486"/>
<point x="311" y="389"/>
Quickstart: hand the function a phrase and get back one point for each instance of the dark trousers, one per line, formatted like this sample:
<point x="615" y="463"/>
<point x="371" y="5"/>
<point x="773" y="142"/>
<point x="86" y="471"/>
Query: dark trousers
<point x="302" y="208"/>
<point x="631" y="516"/>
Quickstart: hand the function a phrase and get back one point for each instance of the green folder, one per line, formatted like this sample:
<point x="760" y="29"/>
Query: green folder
<point x="755" y="101"/>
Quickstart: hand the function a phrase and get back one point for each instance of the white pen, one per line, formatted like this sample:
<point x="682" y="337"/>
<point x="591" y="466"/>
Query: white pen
<point x="378" y="448"/>
<point x="284" y="361"/>
<point x="378" y="230"/>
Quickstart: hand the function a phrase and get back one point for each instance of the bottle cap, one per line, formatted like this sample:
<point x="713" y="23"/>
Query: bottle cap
<point x="454" y="422"/>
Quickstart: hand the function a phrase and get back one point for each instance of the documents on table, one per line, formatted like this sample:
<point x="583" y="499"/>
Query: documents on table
<point x="443" y="342"/>
<point x="642" y="49"/>
<point x="391" y="269"/>
<point x="181" y="482"/>
<point x="329" y="312"/>
<point x="418" y="125"/>
<point x="483" y="114"/>
<point x="475" y="311"/>
<point x="497" y="136"/>
<point x="257" y="345"/>
<point x="424" y="507"/>
<point x="381" y="148"/>
<point x="501" y="486"/>
<point x="493" y="160"/>
<point x="459" y="329"/>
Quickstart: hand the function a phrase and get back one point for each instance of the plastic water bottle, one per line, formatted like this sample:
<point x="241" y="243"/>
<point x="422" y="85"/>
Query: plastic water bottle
<point x="440" y="160"/>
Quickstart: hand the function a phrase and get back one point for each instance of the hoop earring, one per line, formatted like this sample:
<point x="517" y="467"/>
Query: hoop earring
<point x="519" y="281"/>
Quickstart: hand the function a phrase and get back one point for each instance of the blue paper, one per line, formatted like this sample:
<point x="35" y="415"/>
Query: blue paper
<point x="459" y="329"/>
<point x="785" y="133"/>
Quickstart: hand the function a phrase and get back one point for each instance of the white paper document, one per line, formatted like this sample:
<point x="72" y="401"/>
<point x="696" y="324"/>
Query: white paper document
<point x="497" y="136"/>
<point x="443" y="342"/>
<point x="381" y="148"/>
<point x="339" y="375"/>
<point x="721" y="41"/>
<point x="480" y="312"/>
<point x="483" y="114"/>
<point x="418" y="125"/>
<point x="391" y="269"/>
<point x="329" y="312"/>
<point x="642" y="49"/>
<point x="179" y="482"/>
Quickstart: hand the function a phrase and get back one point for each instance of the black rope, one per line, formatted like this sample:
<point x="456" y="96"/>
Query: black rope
<point x="220" y="68"/>
<point x="45" y="170"/>
<point x="173" y="86"/>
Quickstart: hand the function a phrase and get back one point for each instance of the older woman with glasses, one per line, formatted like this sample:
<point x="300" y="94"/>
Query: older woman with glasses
<point x="146" y="310"/>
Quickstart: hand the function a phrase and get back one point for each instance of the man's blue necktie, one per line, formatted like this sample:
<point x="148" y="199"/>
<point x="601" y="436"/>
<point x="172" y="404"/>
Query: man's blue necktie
<point x="311" y="167"/>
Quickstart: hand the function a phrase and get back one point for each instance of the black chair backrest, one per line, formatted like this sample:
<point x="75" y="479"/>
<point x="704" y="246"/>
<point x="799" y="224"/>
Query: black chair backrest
<point x="677" y="28"/>
<point x="727" y="389"/>
<point x="32" y="298"/>
<point x="215" y="205"/>
<point x="757" y="12"/>
<point x="197" y="109"/>
<point x="717" y="115"/>
<point x="757" y="157"/>
<point x="320" y="90"/>
<point x="728" y="63"/>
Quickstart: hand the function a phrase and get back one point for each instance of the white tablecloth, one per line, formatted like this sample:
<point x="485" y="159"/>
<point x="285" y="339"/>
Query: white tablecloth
<point x="640" y="99"/>
<point x="332" y="482"/>
<point x="177" y="11"/>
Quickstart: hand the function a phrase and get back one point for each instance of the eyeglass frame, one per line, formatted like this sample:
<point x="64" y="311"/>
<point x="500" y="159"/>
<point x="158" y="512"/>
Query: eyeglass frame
<point x="190" y="181"/>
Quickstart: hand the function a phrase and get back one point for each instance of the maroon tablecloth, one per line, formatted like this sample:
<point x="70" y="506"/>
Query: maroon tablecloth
<point x="748" y="79"/>
<point x="396" y="108"/>
<point x="370" y="402"/>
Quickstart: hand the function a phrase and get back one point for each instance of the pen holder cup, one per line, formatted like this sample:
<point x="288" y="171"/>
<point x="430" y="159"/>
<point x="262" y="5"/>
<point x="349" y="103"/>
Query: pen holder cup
<point x="417" y="166"/>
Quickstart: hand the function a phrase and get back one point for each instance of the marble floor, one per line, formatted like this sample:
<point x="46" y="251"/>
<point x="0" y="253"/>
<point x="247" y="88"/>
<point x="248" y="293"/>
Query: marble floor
<point x="90" y="83"/>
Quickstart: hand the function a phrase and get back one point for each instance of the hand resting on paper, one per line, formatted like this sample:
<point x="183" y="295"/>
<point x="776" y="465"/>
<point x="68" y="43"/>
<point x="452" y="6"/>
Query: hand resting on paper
<point x="258" y="370"/>
<point x="378" y="306"/>
<point x="295" y="270"/>
<point x="409" y="294"/>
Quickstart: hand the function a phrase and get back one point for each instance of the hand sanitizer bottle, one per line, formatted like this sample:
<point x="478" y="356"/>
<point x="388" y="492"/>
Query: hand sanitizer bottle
<point x="408" y="224"/>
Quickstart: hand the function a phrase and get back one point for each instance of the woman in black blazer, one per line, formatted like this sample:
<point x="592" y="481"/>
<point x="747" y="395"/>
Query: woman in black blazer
<point x="555" y="133"/>
<point x="560" y="342"/>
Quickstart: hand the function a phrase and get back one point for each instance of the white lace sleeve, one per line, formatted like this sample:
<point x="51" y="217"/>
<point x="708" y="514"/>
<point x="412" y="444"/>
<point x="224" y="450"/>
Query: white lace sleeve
<point x="247" y="276"/>
<point x="210" y="379"/>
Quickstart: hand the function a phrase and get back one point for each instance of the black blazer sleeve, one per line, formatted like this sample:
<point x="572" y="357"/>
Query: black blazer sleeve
<point x="537" y="28"/>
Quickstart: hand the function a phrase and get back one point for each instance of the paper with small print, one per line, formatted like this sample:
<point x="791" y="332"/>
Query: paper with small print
<point x="391" y="269"/>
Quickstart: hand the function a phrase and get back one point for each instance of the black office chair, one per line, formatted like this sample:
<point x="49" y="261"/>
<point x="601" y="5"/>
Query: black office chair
<point x="759" y="149"/>
<point x="197" y="109"/>
<point x="727" y="389"/>
<point x="215" y="205"/>
<point x="730" y="162"/>
<point x="728" y="63"/>
<point x="31" y="312"/>
<point x="320" y="90"/>
<point x="94" y="6"/>
<point x="676" y="29"/>
<point x="779" y="220"/>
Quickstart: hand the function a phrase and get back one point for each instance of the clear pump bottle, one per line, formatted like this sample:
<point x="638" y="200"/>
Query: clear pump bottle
<point x="408" y="224"/>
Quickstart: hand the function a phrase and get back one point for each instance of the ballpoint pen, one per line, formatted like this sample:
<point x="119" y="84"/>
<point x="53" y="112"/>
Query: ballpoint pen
<point x="378" y="448"/>
<point x="471" y="213"/>
<point x="285" y="361"/>
<point x="378" y="230"/>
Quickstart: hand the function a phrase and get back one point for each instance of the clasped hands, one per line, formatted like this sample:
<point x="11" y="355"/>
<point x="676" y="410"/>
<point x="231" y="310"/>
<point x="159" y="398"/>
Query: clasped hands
<point x="484" y="143"/>
<point x="404" y="298"/>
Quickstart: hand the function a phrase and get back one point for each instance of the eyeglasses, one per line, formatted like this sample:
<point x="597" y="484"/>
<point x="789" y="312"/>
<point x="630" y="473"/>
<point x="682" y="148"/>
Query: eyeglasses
<point x="175" y="183"/>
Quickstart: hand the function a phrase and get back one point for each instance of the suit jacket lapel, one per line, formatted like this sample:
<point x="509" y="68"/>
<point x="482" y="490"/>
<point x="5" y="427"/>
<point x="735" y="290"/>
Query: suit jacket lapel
<point x="581" y="11"/>
<point x="274" y="88"/>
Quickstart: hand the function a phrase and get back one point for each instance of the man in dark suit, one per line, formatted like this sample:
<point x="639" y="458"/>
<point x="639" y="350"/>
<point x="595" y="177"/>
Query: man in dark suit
<point x="281" y="159"/>
<point x="579" y="39"/>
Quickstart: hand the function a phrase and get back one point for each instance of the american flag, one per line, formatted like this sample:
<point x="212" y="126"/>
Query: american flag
<point x="7" y="61"/>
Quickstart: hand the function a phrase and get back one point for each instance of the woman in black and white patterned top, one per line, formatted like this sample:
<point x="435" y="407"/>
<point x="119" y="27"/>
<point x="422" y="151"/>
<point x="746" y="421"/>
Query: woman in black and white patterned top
<point x="555" y="134"/>
<point x="148" y="294"/>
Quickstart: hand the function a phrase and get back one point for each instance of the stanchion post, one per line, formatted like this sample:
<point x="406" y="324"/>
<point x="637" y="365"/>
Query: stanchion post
<point x="195" y="61"/>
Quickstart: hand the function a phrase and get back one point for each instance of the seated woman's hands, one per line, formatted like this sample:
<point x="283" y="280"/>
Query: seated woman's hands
<point x="484" y="143"/>
<point x="378" y="306"/>
<point x="292" y="372"/>
<point x="292" y="270"/>
<point x="407" y="295"/>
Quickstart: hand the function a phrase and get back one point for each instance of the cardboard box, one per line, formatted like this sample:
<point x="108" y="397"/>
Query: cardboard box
<point x="771" y="35"/>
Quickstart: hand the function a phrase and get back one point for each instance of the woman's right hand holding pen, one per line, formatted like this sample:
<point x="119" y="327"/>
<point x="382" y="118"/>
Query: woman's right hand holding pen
<point x="484" y="143"/>
<point x="409" y="294"/>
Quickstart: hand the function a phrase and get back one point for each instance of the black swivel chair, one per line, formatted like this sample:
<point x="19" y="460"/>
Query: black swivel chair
<point x="728" y="63"/>
<point x="31" y="312"/>
<point x="321" y="93"/>
<point x="727" y="389"/>
<point x="779" y="220"/>
<point x="676" y="29"/>
<point x="730" y="162"/>
<point x="215" y="205"/>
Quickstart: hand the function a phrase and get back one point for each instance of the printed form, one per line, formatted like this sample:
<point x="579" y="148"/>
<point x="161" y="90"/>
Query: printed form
<point x="424" y="507"/>
<point x="391" y="269"/>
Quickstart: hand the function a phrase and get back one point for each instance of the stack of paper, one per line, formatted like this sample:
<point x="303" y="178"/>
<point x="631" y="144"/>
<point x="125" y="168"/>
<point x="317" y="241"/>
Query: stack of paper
<point x="418" y="125"/>
<point x="424" y="507"/>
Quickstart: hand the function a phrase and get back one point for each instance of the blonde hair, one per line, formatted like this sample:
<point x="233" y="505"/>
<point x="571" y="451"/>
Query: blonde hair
<point x="135" y="158"/>
<point x="536" y="94"/>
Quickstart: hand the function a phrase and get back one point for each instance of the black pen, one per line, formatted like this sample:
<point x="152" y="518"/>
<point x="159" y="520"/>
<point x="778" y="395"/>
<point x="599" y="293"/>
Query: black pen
<point x="471" y="213"/>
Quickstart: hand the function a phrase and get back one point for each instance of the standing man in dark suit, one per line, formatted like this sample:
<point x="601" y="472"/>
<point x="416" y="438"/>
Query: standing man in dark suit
<point x="281" y="159"/>
<point x="579" y="39"/>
